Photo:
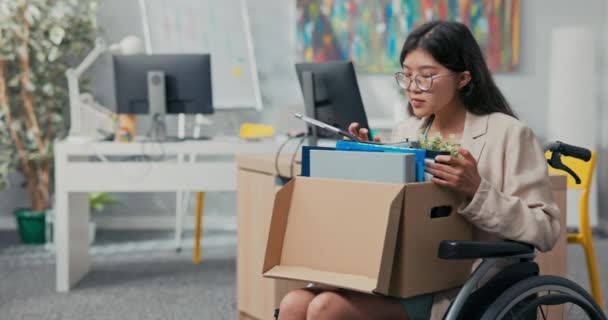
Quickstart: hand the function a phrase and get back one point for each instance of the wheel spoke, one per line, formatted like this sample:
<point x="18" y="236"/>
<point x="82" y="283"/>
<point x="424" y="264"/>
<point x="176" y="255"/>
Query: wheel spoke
<point x="542" y="312"/>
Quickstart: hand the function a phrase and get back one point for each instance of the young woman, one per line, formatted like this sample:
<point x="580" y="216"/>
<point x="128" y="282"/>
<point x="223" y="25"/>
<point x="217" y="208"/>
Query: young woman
<point x="501" y="174"/>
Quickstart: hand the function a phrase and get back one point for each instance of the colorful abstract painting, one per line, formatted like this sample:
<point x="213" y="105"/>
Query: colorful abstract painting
<point x="371" y="32"/>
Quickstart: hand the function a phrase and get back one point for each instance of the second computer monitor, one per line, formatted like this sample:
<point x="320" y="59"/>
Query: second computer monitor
<point x="331" y="95"/>
<point x="179" y="82"/>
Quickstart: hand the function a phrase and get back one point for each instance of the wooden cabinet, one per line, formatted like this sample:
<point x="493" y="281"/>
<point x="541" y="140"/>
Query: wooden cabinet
<point x="555" y="262"/>
<point x="257" y="297"/>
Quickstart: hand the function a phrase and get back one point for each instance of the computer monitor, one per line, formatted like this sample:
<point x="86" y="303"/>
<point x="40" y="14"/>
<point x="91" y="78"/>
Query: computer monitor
<point x="163" y="83"/>
<point x="331" y="95"/>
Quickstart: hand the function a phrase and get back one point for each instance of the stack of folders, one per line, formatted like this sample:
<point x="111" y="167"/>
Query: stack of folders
<point x="363" y="161"/>
<point x="361" y="165"/>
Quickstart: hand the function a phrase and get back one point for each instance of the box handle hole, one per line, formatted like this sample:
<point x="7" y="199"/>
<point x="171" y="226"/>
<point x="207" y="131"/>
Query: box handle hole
<point x="440" y="212"/>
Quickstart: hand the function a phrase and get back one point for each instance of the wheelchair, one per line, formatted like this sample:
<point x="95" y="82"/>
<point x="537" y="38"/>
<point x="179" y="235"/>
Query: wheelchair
<point x="516" y="291"/>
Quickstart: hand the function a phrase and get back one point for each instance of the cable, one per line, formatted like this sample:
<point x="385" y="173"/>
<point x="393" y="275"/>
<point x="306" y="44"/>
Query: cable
<point x="156" y="134"/>
<point x="277" y="155"/>
<point x="122" y="172"/>
<point x="158" y="130"/>
<point x="293" y="157"/>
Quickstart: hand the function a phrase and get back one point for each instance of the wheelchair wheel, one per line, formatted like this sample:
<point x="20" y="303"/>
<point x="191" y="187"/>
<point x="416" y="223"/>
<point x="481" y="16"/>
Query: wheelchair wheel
<point x="529" y="299"/>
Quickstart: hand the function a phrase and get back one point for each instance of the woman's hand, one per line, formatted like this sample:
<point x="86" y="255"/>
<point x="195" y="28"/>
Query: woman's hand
<point x="363" y="134"/>
<point x="461" y="175"/>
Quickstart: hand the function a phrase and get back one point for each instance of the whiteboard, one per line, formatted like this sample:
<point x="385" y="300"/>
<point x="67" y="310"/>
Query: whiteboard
<point x="218" y="27"/>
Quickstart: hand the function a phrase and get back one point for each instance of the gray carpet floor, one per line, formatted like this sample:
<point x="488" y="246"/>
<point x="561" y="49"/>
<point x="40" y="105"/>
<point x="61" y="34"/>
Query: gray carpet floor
<point x="139" y="275"/>
<point x="135" y="275"/>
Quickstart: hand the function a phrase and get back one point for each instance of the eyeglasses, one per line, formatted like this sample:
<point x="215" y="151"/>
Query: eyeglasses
<point x="423" y="82"/>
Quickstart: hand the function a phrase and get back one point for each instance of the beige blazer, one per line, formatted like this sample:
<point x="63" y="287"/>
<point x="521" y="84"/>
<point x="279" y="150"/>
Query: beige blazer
<point x="514" y="200"/>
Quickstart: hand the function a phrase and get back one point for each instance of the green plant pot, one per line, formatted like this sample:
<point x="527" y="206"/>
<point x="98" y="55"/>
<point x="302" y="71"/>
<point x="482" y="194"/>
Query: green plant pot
<point x="431" y="154"/>
<point x="31" y="225"/>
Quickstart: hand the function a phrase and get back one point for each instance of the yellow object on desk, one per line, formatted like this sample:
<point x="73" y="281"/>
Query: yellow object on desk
<point x="254" y="130"/>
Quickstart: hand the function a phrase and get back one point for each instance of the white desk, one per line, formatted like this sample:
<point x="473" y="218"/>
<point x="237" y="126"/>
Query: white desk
<point x="174" y="166"/>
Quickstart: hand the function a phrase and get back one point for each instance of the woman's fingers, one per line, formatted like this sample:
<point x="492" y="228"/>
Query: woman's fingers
<point x="443" y="175"/>
<point x="443" y="183"/>
<point x="363" y="134"/>
<point x="442" y="167"/>
<point x="459" y="174"/>
<point x="353" y="128"/>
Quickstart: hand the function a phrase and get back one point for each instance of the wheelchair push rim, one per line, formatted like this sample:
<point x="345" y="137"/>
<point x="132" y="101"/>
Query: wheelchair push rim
<point x="557" y="291"/>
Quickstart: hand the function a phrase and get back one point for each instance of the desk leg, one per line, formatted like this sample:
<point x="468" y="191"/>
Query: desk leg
<point x="179" y="219"/>
<point x="179" y="209"/>
<point x="71" y="238"/>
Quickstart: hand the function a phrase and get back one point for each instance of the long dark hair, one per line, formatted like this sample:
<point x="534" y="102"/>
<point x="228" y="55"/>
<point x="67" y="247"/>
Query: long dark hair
<point x="453" y="46"/>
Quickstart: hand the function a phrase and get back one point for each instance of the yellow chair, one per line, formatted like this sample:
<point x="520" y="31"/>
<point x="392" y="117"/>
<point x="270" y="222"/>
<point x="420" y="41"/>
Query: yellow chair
<point x="583" y="237"/>
<point x="196" y="257"/>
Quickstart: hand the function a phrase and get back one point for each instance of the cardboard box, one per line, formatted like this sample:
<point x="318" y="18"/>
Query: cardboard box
<point x="365" y="236"/>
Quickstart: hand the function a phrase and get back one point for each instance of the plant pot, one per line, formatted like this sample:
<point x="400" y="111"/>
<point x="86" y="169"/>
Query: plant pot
<point x="431" y="154"/>
<point x="430" y="157"/>
<point x="31" y="225"/>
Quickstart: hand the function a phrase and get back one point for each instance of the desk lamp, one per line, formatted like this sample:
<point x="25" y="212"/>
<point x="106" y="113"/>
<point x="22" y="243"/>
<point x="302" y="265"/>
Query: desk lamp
<point x="83" y="108"/>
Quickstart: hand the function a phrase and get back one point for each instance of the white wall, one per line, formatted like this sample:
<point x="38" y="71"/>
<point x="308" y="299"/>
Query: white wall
<point x="526" y="89"/>
<point x="602" y="167"/>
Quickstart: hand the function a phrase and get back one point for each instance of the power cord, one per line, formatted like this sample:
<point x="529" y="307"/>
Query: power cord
<point x="122" y="172"/>
<point x="156" y="134"/>
<point x="293" y="157"/>
<point x="277" y="155"/>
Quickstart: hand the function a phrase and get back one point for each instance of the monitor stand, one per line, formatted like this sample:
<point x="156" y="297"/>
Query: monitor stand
<point x="157" y="106"/>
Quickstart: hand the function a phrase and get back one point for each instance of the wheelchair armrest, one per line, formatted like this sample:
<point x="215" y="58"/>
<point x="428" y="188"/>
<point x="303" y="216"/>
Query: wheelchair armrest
<point x="460" y="249"/>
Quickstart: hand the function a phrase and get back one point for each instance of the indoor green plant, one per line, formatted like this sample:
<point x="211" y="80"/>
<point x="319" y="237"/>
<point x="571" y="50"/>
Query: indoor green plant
<point x="436" y="144"/>
<point x="38" y="41"/>
<point x="98" y="201"/>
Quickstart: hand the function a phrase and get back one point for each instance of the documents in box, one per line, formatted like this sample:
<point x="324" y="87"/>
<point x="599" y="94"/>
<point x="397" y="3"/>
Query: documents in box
<point x="365" y="166"/>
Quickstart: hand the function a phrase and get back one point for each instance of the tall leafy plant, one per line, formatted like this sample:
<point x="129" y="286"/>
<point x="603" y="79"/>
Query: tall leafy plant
<point x="39" y="41"/>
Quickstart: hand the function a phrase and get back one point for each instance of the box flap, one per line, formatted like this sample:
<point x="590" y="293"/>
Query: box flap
<point x="342" y="280"/>
<point x="278" y="223"/>
<point x="335" y="227"/>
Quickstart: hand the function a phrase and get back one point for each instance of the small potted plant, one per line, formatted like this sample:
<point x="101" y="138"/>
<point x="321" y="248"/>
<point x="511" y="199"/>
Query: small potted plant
<point x="97" y="201"/>
<point x="435" y="145"/>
